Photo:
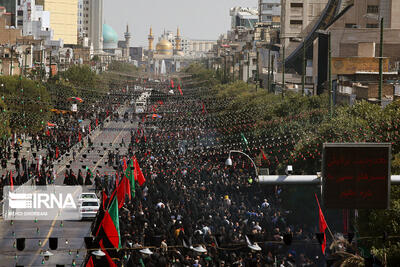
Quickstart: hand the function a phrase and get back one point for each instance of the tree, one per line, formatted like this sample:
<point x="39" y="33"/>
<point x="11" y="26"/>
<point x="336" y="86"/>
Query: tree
<point x="28" y="103"/>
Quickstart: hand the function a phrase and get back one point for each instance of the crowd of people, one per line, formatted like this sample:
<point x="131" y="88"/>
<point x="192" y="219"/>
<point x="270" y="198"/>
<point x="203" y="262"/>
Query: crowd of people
<point x="193" y="210"/>
<point x="33" y="157"/>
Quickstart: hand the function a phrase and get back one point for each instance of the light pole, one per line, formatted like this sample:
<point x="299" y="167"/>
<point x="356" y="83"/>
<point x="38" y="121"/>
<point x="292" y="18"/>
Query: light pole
<point x="379" y="18"/>
<point x="380" y="64"/>
<point x="303" y="77"/>
<point x="329" y="78"/>
<point x="228" y="161"/>
<point x="304" y="62"/>
<point x="330" y="75"/>
<point x="283" y="70"/>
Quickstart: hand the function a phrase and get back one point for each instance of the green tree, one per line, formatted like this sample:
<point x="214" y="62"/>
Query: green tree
<point x="28" y="103"/>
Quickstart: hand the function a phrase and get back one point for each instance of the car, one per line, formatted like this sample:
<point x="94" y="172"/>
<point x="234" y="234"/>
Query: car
<point x="88" y="208"/>
<point x="85" y="196"/>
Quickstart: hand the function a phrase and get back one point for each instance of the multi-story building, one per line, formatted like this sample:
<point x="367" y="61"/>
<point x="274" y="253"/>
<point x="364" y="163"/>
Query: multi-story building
<point x="11" y="7"/>
<point x="244" y="17"/>
<point x="297" y="15"/>
<point x="83" y="18"/>
<point x="270" y="11"/>
<point x="357" y="32"/>
<point x="63" y="19"/>
<point x="95" y="25"/>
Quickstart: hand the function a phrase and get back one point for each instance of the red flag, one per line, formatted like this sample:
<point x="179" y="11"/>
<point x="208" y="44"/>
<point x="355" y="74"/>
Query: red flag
<point x="90" y="262"/>
<point x="79" y="136"/>
<point x="180" y="90"/>
<point x="97" y="122"/>
<point x="263" y="155"/>
<point x="48" y="132"/>
<point x="125" y="165"/>
<point x="127" y="187"/>
<point x="111" y="263"/>
<point x="109" y="229"/>
<point x="322" y="225"/>
<point x="121" y="193"/>
<point x="116" y="179"/>
<point x="104" y="198"/>
<point x="204" y="108"/>
<point x="139" y="177"/>
<point x="57" y="153"/>
<point x="172" y="83"/>
<point x="11" y="181"/>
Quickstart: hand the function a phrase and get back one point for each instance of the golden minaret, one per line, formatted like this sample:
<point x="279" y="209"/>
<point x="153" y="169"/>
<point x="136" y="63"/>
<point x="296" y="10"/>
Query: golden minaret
<point x="178" y="40"/>
<point x="151" y="39"/>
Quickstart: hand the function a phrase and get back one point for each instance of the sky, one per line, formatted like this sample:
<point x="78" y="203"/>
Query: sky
<point x="197" y="19"/>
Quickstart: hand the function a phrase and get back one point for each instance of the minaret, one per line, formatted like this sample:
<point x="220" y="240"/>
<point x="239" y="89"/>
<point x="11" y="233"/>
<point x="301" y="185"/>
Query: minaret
<point x="127" y="41"/>
<point x="178" y="40"/>
<point x="151" y="39"/>
<point x="127" y="37"/>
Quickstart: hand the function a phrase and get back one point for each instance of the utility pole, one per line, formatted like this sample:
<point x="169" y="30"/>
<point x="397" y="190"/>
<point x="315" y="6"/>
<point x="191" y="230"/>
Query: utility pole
<point x="257" y="77"/>
<point x="248" y="66"/>
<point x="11" y="67"/>
<point x="303" y="77"/>
<point x="225" y="68"/>
<point x="380" y="64"/>
<point x="25" y="64"/>
<point x="269" y="70"/>
<point x="283" y="69"/>
<point x="41" y="64"/>
<point x="50" y="68"/>
<point x="330" y="75"/>
<point x="233" y="67"/>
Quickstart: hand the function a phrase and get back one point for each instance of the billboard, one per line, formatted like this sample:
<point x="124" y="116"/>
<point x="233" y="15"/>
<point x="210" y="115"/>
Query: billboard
<point x="356" y="175"/>
<point x="351" y="65"/>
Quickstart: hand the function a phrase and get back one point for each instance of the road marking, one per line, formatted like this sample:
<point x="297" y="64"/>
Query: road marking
<point x="116" y="138"/>
<point x="55" y="219"/>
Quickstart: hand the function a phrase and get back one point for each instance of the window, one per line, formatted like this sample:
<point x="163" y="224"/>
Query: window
<point x="20" y="22"/>
<point x="296" y="22"/>
<point x="373" y="9"/>
<point x="350" y="25"/>
<point x="372" y="25"/>
<point x="296" y="4"/>
<point x="20" y="13"/>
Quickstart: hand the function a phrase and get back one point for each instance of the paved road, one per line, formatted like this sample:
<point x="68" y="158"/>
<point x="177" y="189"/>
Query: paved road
<point x="110" y="138"/>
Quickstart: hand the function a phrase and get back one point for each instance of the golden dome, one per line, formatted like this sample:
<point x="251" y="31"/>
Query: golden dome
<point x="164" y="47"/>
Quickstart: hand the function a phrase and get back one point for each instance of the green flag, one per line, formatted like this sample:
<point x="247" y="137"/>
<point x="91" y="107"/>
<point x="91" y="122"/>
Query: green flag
<point x="114" y="214"/>
<point x="244" y="139"/>
<point x="130" y="176"/>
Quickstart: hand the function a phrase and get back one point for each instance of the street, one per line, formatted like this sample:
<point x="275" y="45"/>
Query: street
<point x="70" y="234"/>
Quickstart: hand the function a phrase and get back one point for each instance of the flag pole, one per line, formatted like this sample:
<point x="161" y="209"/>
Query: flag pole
<point x="327" y="226"/>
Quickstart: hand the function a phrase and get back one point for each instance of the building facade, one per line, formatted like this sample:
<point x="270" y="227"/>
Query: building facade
<point x="270" y="11"/>
<point x="11" y="7"/>
<point x="243" y="17"/>
<point x="63" y="19"/>
<point x="95" y="25"/>
<point x="297" y="15"/>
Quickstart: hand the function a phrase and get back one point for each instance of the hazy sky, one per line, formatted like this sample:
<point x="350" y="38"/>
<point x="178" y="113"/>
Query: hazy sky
<point x="197" y="19"/>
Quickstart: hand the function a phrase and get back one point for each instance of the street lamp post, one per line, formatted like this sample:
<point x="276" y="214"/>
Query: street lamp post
<point x="228" y="161"/>
<point x="329" y="78"/>
<point x="330" y="75"/>
<point x="380" y="64"/>
<point x="304" y="62"/>
<point x="283" y="70"/>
